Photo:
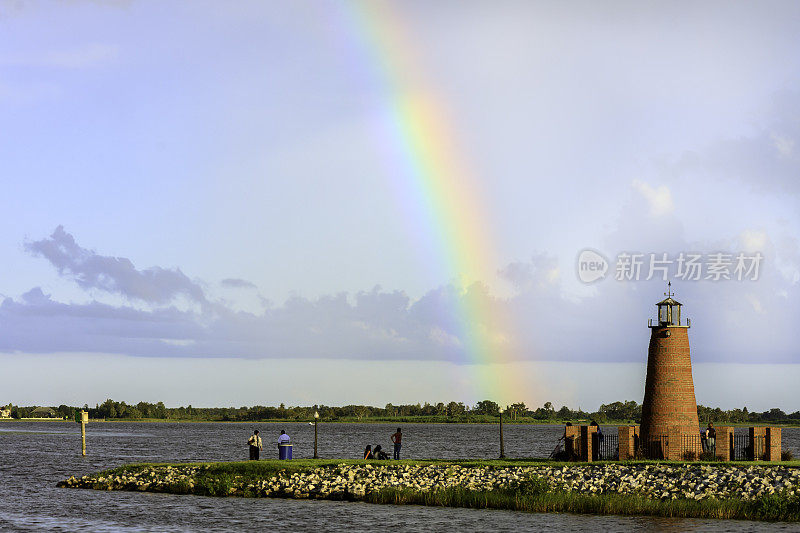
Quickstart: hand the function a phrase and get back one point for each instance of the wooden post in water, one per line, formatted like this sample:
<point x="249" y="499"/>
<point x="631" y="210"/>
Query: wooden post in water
<point x="502" y="445"/>
<point x="316" y="419"/>
<point x="84" y="420"/>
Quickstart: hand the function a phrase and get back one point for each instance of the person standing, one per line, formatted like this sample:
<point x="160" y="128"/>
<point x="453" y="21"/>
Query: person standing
<point x="255" y="445"/>
<point x="284" y="448"/>
<point x="711" y="438"/>
<point x="397" y="438"/>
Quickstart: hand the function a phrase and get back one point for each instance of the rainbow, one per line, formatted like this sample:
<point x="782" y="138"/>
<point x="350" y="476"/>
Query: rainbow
<point x="444" y="199"/>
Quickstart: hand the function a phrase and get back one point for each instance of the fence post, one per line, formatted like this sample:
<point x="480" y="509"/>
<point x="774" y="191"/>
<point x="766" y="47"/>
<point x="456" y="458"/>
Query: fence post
<point x="756" y="443"/>
<point x="725" y="443"/>
<point x="572" y="436"/>
<point x="586" y="442"/>
<point x="773" y="444"/>
<point x="626" y="449"/>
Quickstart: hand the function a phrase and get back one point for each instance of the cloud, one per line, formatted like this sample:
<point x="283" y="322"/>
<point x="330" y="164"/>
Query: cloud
<point x="541" y="271"/>
<point x="785" y="146"/>
<point x="373" y="325"/>
<point x="732" y="321"/>
<point x="115" y="275"/>
<point x="658" y="198"/>
<point x="766" y="160"/>
<point x="237" y="283"/>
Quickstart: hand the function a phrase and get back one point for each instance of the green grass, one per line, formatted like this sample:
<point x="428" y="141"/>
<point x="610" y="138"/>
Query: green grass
<point x="772" y="508"/>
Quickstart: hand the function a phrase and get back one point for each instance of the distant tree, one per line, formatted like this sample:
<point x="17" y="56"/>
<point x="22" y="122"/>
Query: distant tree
<point x="486" y="407"/>
<point x="774" y="414"/>
<point x="65" y="411"/>
<point x="455" y="409"/>
<point x="517" y="409"/>
<point x="565" y="413"/>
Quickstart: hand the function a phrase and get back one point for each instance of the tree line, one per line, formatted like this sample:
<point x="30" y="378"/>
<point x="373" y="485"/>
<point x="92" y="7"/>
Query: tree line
<point x="486" y="410"/>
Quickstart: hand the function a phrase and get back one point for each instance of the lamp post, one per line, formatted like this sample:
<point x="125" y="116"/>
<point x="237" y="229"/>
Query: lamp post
<point x="316" y="419"/>
<point x="502" y="445"/>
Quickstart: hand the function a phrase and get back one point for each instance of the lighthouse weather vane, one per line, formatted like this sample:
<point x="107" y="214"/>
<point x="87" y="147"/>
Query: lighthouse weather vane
<point x="669" y="293"/>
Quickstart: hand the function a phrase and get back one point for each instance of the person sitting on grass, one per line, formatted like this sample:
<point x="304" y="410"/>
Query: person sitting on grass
<point x="368" y="452"/>
<point x="378" y="453"/>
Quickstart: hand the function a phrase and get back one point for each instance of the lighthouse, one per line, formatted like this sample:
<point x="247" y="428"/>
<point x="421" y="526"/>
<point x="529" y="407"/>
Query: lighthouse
<point x="670" y="427"/>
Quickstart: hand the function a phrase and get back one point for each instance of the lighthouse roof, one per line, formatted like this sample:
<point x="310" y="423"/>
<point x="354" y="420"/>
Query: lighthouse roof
<point x="669" y="301"/>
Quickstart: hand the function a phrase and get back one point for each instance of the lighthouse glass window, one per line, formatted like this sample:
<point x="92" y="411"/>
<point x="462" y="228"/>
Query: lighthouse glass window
<point x="669" y="315"/>
<point x="665" y="314"/>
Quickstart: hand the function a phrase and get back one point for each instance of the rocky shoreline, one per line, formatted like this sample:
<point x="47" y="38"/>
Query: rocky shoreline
<point x="355" y="481"/>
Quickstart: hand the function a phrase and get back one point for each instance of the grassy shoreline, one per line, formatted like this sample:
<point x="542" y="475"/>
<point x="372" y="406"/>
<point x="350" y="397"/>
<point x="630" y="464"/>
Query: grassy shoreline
<point x="532" y="494"/>
<point x="768" y="508"/>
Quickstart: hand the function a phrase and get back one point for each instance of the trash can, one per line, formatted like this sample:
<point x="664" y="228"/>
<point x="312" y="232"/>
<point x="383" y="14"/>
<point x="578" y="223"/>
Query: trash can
<point x="284" y="451"/>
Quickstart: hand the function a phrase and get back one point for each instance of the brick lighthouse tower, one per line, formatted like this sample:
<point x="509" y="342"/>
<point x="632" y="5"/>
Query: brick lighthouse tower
<point x="670" y="427"/>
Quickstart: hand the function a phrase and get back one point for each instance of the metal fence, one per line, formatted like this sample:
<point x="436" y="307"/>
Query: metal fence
<point x="685" y="447"/>
<point x="660" y="447"/>
<point x="743" y="450"/>
<point x="606" y="449"/>
<point x="653" y="448"/>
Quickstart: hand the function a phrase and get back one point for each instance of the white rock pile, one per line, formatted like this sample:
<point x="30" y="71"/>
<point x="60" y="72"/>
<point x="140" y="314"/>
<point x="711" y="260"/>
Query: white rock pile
<point x="353" y="481"/>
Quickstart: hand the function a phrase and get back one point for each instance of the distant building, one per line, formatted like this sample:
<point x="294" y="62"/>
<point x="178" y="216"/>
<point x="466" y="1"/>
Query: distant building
<point x="43" y="412"/>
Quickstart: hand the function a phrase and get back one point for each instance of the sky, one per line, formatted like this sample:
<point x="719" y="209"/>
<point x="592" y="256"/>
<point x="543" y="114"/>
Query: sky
<point x="388" y="202"/>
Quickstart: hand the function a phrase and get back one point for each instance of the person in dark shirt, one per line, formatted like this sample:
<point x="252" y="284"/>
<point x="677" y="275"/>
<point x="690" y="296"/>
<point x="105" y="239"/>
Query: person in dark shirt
<point x="378" y="453"/>
<point x="368" y="452"/>
<point x="711" y="438"/>
<point x="255" y="446"/>
<point x="397" y="439"/>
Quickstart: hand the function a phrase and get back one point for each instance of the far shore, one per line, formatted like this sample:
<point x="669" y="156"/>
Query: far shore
<point x="405" y="420"/>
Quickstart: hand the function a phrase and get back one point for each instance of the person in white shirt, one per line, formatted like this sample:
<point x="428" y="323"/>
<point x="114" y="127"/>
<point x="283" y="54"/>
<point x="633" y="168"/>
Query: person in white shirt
<point x="283" y="438"/>
<point x="255" y="445"/>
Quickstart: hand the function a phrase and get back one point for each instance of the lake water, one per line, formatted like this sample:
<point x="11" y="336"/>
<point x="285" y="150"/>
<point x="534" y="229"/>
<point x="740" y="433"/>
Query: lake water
<point x="34" y="456"/>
